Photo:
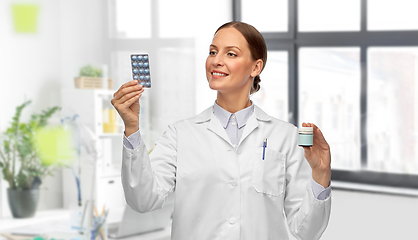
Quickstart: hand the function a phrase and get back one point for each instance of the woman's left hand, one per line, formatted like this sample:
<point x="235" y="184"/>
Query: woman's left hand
<point x="319" y="157"/>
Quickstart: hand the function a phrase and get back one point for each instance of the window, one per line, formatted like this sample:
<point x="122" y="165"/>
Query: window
<point x="392" y="99"/>
<point x="329" y="86"/>
<point x="384" y="15"/>
<point x="130" y="24"/>
<point x="329" y="15"/>
<point x="353" y="71"/>
<point x="266" y="15"/>
<point x="176" y="18"/>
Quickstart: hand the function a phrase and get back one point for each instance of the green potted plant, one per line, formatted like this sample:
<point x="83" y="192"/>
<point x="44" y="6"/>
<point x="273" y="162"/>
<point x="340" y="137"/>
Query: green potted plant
<point x="90" y="71"/>
<point x="21" y="165"/>
<point x="91" y="77"/>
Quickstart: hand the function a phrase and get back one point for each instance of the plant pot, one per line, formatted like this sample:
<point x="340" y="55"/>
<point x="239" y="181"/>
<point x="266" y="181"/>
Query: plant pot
<point x="91" y="83"/>
<point x="23" y="203"/>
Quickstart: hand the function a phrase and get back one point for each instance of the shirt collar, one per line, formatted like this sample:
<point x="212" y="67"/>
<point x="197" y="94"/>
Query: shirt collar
<point x="224" y="116"/>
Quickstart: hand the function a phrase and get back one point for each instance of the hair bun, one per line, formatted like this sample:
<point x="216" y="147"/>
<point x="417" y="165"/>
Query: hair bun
<point x="256" y="85"/>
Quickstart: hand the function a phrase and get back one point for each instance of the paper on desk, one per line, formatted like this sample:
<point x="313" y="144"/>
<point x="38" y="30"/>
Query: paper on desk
<point x="9" y="236"/>
<point x="28" y="232"/>
<point x="43" y="229"/>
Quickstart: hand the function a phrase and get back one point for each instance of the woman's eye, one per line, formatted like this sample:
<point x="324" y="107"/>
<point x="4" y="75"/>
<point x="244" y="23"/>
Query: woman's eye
<point x="232" y="54"/>
<point x="212" y="53"/>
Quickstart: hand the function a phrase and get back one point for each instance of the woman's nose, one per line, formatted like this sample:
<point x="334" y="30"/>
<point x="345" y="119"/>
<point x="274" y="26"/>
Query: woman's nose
<point x="217" y="60"/>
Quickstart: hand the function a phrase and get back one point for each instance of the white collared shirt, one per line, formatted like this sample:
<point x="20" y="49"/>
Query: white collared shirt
<point x="233" y="123"/>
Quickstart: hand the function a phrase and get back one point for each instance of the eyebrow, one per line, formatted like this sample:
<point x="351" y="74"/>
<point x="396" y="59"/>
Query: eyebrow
<point x="227" y="47"/>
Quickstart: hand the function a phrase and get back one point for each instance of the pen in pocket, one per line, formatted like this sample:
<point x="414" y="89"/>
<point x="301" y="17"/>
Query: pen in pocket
<point x="264" y="147"/>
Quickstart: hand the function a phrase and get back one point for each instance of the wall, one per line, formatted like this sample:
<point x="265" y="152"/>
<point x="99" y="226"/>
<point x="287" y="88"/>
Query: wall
<point x="361" y="215"/>
<point x="83" y="33"/>
<point x="36" y="66"/>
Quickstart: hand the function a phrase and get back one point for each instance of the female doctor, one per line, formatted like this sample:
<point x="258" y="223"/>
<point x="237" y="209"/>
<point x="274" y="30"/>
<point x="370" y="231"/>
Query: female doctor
<point x="227" y="185"/>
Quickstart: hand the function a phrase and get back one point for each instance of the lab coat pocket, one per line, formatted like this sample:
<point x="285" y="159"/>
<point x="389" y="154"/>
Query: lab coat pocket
<point x="269" y="174"/>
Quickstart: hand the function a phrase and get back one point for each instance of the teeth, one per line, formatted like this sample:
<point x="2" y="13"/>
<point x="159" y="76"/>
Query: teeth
<point x="218" y="74"/>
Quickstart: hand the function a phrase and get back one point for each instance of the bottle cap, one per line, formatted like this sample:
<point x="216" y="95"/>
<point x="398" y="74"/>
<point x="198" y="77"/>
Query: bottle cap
<point x="306" y="130"/>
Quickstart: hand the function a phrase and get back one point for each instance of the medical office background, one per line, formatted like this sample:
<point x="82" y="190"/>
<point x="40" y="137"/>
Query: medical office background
<point x="350" y="66"/>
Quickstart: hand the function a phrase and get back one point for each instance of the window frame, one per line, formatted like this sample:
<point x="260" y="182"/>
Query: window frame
<point x="293" y="40"/>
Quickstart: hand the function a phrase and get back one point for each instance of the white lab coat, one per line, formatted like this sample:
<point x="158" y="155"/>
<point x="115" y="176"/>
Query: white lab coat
<point x="227" y="194"/>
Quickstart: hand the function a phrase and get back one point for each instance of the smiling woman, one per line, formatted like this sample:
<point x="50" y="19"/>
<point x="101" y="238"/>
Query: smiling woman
<point x="218" y="162"/>
<point x="230" y="68"/>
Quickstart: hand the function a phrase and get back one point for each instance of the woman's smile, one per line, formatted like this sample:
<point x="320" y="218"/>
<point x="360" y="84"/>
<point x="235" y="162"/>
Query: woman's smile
<point x="218" y="74"/>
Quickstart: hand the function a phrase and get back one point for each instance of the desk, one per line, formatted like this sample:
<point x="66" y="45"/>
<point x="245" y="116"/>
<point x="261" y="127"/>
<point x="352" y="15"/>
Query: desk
<point x="56" y="224"/>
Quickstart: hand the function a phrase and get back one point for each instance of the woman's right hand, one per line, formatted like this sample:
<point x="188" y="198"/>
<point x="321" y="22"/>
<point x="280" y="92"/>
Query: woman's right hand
<point x="126" y="102"/>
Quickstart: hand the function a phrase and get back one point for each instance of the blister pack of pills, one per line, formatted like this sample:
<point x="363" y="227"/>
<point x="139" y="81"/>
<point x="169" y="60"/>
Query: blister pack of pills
<point x="141" y="69"/>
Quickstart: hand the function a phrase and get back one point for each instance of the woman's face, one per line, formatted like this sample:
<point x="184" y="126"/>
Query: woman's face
<point x="229" y="66"/>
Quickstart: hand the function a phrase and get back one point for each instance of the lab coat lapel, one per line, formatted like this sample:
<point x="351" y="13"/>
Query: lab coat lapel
<point x="253" y="122"/>
<point x="215" y="126"/>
